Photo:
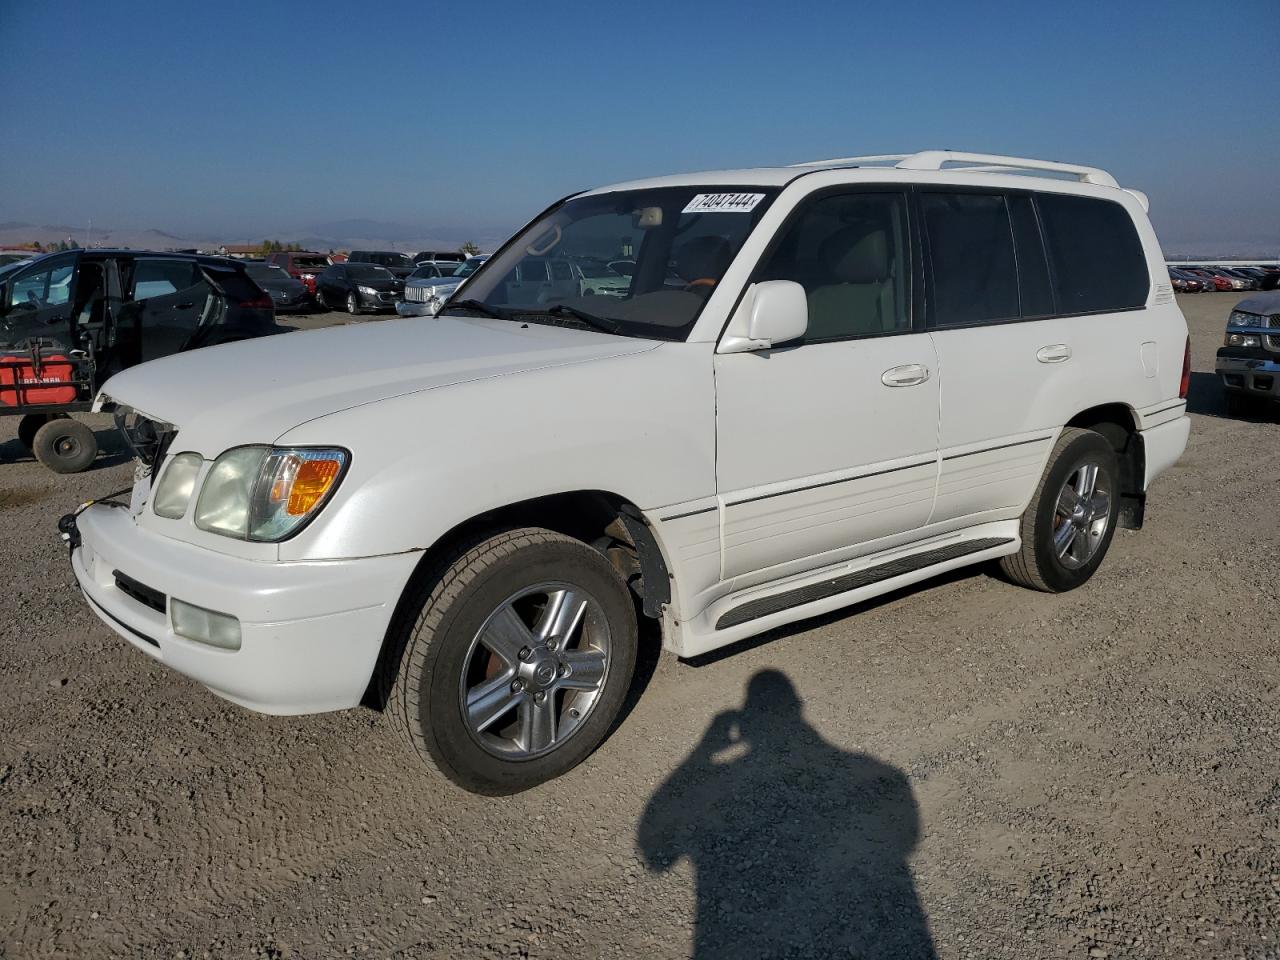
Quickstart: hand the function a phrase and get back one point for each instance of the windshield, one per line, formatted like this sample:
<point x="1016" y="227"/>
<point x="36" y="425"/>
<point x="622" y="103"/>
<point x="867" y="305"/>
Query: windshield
<point x="559" y="265"/>
<point x="429" y="271"/>
<point x="265" y="271"/>
<point x="367" y="271"/>
<point x="320" y="262"/>
<point x="389" y="259"/>
<point x="471" y="266"/>
<point x="597" y="269"/>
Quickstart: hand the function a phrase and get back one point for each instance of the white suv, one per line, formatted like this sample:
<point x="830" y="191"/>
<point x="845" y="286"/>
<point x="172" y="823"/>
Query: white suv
<point x="869" y="371"/>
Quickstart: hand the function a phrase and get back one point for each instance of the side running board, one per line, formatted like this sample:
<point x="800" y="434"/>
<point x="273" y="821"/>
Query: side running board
<point x="754" y="609"/>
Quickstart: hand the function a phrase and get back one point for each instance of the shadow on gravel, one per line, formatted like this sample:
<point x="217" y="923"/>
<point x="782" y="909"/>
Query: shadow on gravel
<point x="799" y="848"/>
<point x="1206" y="396"/>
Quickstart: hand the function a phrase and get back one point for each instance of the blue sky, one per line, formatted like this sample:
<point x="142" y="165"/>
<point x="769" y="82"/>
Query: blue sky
<point x="238" y="118"/>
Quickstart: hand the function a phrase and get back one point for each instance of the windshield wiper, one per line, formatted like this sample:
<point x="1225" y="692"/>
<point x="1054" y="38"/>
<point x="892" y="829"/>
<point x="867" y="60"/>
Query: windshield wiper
<point x="603" y="324"/>
<point x="479" y="306"/>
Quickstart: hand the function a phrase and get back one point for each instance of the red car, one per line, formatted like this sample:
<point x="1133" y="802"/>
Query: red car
<point x="1212" y="280"/>
<point x="302" y="265"/>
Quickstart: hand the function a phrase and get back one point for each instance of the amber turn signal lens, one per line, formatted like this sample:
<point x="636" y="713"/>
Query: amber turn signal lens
<point x="310" y="484"/>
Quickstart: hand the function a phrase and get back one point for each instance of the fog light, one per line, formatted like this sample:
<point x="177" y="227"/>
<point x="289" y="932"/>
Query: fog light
<point x="204" y="626"/>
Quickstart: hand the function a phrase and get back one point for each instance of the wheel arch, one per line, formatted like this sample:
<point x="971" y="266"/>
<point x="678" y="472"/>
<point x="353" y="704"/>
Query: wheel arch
<point x="1118" y="423"/>
<point x="606" y="521"/>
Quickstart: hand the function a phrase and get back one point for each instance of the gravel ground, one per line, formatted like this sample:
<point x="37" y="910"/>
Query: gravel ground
<point x="964" y="767"/>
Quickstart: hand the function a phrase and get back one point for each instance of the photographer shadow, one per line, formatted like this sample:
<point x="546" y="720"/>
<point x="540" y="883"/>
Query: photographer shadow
<point x="799" y="848"/>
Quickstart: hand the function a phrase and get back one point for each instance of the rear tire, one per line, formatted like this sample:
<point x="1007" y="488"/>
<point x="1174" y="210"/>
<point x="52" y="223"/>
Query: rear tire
<point x="1067" y="528"/>
<point x="65" y="446"/>
<point x="518" y="654"/>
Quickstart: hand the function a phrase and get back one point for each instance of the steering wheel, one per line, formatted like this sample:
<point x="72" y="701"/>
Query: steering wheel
<point x="707" y="282"/>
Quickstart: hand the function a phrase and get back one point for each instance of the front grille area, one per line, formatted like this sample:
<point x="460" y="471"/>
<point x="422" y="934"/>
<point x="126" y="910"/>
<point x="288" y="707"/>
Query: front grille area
<point x="1272" y="323"/>
<point x="147" y="596"/>
<point x="416" y="294"/>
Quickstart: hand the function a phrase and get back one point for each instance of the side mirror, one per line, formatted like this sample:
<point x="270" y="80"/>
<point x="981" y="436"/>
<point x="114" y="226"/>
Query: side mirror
<point x="773" y="313"/>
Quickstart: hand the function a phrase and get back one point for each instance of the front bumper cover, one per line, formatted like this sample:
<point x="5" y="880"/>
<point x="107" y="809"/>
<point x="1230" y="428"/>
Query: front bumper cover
<point x="310" y="630"/>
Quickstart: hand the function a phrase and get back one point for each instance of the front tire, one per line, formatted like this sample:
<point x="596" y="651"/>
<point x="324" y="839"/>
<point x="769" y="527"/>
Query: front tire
<point x="1069" y="524"/>
<point x="353" y="303"/>
<point x="320" y="304"/>
<point x="518" y="656"/>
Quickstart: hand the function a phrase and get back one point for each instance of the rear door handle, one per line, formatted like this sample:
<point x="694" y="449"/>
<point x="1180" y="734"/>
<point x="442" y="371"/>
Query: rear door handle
<point x="1054" y="353"/>
<point x="907" y="375"/>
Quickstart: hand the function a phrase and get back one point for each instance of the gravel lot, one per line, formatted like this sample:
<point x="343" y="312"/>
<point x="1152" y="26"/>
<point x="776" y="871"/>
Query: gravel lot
<point x="970" y="768"/>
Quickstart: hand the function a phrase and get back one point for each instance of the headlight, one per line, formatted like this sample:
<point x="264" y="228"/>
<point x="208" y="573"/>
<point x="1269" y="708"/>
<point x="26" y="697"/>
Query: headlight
<point x="1239" y="318"/>
<point x="178" y="482"/>
<point x="1242" y="340"/>
<point x="368" y="291"/>
<point x="268" y="493"/>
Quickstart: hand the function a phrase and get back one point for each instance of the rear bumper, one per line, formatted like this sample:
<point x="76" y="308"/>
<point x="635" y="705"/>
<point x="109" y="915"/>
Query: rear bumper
<point x="310" y="631"/>
<point x="1251" y="375"/>
<point x="1163" y="445"/>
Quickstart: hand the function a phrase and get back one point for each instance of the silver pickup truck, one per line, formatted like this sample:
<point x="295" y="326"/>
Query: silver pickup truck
<point x="1249" y="359"/>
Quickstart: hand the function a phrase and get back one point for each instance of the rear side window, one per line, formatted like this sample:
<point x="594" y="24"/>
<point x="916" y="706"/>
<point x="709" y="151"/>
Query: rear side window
<point x="974" y="269"/>
<point x="1097" y="259"/>
<point x="159" y="278"/>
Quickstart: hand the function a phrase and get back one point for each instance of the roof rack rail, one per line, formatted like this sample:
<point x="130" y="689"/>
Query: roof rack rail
<point x="976" y="162"/>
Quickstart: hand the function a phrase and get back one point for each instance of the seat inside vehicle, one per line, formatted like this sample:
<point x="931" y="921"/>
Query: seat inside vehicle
<point x="856" y="296"/>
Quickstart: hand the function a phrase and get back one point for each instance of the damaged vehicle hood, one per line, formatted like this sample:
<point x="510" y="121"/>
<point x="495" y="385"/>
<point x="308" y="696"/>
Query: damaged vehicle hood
<point x="256" y="390"/>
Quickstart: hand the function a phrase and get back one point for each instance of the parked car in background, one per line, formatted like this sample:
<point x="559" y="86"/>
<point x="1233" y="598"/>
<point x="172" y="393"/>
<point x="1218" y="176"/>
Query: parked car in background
<point x="14" y="256"/>
<point x="434" y="271"/>
<point x="1248" y="280"/>
<point x="287" y="294"/>
<point x="303" y="265"/>
<point x="358" y="287"/>
<point x="1249" y="359"/>
<point x="423" y="296"/>
<point x="1184" y="282"/>
<point x="399" y="264"/>
<point x="70" y="320"/>
<point x="1211" y="280"/>
<point x="440" y="256"/>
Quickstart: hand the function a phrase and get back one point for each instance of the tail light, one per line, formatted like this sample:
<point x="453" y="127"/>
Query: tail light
<point x="262" y="302"/>
<point x="1186" y="371"/>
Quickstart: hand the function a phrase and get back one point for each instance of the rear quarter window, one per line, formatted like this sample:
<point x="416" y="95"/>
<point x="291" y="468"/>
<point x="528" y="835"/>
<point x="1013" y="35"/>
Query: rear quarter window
<point x="1095" y="254"/>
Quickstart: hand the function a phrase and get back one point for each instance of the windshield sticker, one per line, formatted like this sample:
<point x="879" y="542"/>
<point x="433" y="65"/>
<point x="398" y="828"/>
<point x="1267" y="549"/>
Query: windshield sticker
<point x="723" y="203"/>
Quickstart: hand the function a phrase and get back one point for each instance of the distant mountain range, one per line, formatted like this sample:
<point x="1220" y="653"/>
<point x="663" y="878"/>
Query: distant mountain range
<point x="335" y="235"/>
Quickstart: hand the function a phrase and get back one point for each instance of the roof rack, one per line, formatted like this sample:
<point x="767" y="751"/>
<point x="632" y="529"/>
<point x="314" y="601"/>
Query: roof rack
<point x="975" y="162"/>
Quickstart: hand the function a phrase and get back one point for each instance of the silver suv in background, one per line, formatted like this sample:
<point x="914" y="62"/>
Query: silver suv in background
<point x="424" y="293"/>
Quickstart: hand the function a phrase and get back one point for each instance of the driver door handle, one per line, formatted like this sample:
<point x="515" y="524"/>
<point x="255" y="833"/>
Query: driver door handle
<point x="907" y="375"/>
<point x="183" y="306"/>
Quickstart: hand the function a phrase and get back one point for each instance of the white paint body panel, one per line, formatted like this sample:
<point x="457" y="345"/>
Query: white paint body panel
<point x="759" y="472"/>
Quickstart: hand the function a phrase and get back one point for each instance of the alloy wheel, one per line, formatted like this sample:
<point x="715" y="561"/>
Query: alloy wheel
<point x="535" y="670"/>
<point x="1081" y="516"/>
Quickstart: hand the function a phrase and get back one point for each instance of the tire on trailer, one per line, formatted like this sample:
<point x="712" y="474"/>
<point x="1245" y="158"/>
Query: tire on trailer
<point x="65" y="445"/>
<point x="517" y="655"/>
<point x="1068" y="526"/>
<point x="29" y="425"/>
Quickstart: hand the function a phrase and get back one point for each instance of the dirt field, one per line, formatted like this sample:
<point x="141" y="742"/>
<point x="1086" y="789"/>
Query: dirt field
<point x="970" y="768"/>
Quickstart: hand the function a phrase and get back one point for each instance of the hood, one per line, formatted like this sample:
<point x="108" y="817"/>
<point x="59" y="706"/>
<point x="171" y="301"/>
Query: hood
<point x="376" y="283"/>
<point x="256" y="390"/>
<point x="1263" y="303"/>
<point x="438" y="282"/>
